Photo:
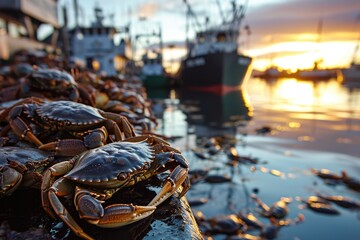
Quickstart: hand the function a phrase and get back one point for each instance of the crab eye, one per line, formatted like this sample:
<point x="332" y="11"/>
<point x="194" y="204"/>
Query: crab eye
<point x="122" y="176"/>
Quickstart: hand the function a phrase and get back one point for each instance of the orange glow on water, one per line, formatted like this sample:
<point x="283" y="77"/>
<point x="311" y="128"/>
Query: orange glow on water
<point x="295" y="96"/>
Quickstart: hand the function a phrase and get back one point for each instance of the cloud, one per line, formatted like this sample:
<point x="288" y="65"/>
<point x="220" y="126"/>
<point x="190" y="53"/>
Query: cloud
<point x="286" y="19"/>
<point x="148" y="9"/>
<point x="151" y="9"/>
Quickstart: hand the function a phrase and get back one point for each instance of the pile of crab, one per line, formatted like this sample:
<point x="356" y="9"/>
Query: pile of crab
<point x="73" y="135"/>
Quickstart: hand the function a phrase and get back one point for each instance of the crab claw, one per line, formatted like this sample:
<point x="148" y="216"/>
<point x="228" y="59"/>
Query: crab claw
<point x="118" y="215"/>
<point x="10" y="179"/>
<point x="115" y="215"/>
<point x="171" y="184"/>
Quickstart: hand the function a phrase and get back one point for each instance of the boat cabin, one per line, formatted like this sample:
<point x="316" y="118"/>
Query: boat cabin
<point x="212" y="41"/>
<point x="96" y="47"/>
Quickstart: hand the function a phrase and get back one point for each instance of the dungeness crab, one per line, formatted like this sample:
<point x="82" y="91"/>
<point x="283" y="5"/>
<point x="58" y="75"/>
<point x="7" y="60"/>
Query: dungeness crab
<point x="21" y="167"/>
<point x="89" y="124"/>
<point x="95" y="175"/>
<point x="55" y="84"/>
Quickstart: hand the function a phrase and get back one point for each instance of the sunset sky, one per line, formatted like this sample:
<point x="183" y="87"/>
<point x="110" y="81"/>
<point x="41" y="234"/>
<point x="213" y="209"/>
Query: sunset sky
<point x="283" y="32"/>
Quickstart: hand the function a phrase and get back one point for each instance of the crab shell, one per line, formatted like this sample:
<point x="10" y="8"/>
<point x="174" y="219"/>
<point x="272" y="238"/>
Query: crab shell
<point x="52" y="79"/>
<point x="22" y="155"/>
<point x="15" y="161"/>
<point x="114" y="165"/>
<point x="69" y="113"/>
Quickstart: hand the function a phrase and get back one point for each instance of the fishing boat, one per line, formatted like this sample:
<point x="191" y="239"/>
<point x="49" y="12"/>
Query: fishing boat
<point x="152" y="71"/>
<point x="351" y="75"/>
<point x="271" y="73"/>
<point x="21" y="23"/>
<point x="213" y="61"/>
<point x="95" y="45"/>
<point x="315" y="74"/>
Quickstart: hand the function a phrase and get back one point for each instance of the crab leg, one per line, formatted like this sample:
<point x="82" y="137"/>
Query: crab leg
<point x="260" y="203"/>
<point x="65" y="147"/>
<point x="151" y="139"/>
<point x="65" y="215"/>
<point x="158" y="144"/>
<point x="116" y="122"/>
<point x="176" y="178"/>
<point x="22" y="130"/>
<point x="57" y="170"/>
<point x="72" y="147"/>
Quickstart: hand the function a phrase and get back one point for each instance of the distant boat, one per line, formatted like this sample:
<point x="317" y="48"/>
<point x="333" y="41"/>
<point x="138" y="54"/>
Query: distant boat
<point x="213" y="62"/>
<point x="95" y="45"/>
<point x="315" y="74"/>
<point x="351" y="75"/>
<point x="152" y="71"/>
<point x="273" y="73"/>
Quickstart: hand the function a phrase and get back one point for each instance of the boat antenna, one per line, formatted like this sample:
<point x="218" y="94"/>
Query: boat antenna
<point x="196" y="24"/>
<point x="319" y="31"/>
<point x="221" y="11"/>
<point x="353" y="61"/>
<point x="356" y="50"/>
<point x="76" y="7"/>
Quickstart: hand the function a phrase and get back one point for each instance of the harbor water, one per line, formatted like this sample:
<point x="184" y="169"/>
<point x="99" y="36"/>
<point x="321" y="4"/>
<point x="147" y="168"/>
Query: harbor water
<point x="292" y="128"/>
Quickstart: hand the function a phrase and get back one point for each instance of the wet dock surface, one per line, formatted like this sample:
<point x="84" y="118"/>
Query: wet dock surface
<point x="291" y="134"/>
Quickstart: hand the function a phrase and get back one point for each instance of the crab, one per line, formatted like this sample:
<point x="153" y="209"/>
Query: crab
<point x="134" y="99"/>
<point x="144" y="122"/>
<point x="50" y="83"/>
<point x="94" y="176"/>
<point x="278" y="210"/>
<point x="21" y="167"/>
<point x="227" y="224"/>
<point x="341" y="201"/>
<point x="319" y="205"/>
<point x="51" y="80"/>
<point x="89" y="125"/>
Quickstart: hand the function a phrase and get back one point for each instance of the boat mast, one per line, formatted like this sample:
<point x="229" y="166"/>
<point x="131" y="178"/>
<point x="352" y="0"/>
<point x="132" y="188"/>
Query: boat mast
<point x="221" y="11"/>
<point x="353" y="61"/>
<point x="190" y="13"/>
<point x="238" y="13"/>
<point x="76" y="7"/>
<point x="319" y="31"/>
<point x="356" y="50"/>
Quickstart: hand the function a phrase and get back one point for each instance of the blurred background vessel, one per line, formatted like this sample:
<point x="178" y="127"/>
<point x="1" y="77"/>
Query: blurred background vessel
<point x="213" y="61"/>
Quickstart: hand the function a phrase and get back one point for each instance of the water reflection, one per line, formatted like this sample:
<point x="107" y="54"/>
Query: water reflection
<point x="326" y="113"/>
<point x="215" y="115"/>
<point x="316" y="125"/>
<point x="296" y="95"/>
